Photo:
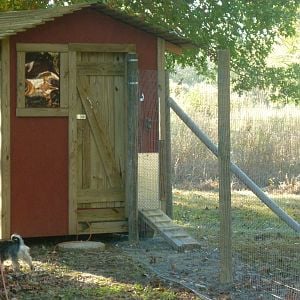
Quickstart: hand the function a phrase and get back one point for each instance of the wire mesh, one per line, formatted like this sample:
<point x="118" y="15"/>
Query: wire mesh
<point x="264" y="143"/>
<point x="148" y="182"/>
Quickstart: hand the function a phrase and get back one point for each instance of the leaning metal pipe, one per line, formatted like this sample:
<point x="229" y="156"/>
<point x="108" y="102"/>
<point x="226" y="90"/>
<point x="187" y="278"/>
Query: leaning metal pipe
<point x="234" y="168"/>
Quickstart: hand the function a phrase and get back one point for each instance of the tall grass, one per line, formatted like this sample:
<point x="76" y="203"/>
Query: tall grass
<point x="265" y="140"/>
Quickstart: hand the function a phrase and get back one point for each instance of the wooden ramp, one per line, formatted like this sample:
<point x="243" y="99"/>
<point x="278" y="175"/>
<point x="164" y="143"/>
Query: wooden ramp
<point x="173" y="234"/>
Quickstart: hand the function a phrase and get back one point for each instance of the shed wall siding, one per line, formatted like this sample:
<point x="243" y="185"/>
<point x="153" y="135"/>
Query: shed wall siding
<point x="39" y="146"/>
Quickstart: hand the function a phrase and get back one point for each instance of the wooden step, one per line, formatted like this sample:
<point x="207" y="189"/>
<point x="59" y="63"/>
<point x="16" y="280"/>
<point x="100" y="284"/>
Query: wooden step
<point x="172" y="233"/>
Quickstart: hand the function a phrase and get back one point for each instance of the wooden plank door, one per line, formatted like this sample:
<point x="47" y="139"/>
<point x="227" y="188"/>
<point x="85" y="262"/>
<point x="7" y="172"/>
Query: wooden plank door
<point x="100" y="152"/>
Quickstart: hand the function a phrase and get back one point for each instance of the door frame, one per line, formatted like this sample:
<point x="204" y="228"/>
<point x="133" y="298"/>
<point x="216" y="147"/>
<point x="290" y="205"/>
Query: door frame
<point x="72" y="140"/>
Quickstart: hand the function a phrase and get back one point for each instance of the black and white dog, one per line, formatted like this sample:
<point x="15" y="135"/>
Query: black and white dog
<point x="16" y="250"/>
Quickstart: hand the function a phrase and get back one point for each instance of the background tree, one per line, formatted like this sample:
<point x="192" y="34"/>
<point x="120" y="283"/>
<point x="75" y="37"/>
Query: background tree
<point x="249" y="28"/>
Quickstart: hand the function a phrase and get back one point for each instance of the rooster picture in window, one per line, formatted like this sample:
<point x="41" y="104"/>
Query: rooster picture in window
<point x="42" y="79"/>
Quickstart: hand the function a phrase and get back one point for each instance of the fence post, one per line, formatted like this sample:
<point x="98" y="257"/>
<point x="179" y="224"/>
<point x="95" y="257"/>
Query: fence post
<point x="169" y="198"/>
<point x="132" y="155"/>
<point x="224" y="166"/>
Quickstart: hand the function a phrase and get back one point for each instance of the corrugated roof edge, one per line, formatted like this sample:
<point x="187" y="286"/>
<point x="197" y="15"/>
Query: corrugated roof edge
<point x="27" y="19"/>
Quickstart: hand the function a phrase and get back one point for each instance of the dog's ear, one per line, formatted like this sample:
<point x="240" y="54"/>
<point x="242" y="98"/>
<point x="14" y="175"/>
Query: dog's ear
<point x="16" y="238"/>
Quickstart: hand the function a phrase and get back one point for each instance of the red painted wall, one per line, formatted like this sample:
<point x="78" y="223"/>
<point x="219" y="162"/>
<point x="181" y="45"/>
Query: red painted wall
<point x="39" y="146"/>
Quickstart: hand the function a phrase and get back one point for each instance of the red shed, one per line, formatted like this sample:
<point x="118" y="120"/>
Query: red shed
<point x="71" y="112"/>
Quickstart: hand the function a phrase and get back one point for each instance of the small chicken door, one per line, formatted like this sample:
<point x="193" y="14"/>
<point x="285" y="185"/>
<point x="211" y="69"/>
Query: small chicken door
<point x="99" y="123"/>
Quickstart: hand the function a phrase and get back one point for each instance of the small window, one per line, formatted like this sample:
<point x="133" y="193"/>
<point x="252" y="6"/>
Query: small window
<point x="42" y="80"/>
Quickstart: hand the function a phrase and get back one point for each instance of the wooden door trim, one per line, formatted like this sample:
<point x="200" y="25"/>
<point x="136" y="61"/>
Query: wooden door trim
<point x="72" y="144"/>
<point x="74" y="225"/>
<point x="5" y="188"/>
<point x="111" y="48"/>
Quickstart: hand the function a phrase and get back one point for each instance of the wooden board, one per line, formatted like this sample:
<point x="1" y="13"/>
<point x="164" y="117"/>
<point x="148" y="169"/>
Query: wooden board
<point x="100" y="145"/>
<point x="172" y="233"/>
<point x="5" y="140"/>
<point x="103" y="227"/>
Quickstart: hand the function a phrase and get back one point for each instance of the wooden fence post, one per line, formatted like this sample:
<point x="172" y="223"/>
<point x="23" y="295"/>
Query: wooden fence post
<point x="132" y="155"/>
<point x="224" y="166"/>
<point x="168" y="165"/>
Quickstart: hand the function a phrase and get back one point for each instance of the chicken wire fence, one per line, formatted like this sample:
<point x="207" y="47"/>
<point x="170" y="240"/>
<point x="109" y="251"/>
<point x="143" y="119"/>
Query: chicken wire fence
<point x="265" y="145"/>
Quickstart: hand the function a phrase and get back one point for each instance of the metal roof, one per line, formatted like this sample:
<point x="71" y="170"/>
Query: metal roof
<point x="12" y="22"/>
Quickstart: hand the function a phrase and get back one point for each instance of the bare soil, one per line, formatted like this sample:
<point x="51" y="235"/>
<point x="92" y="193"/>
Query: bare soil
<point x="150" y="269"/>
<point x="108" y="274"/>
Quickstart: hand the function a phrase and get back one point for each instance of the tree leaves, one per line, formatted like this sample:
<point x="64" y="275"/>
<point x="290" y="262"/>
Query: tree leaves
<point x="248" y="28"/>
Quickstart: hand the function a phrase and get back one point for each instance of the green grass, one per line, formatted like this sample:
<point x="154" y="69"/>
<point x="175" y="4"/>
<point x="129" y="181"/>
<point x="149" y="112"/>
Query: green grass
<point x="259" y="236"/>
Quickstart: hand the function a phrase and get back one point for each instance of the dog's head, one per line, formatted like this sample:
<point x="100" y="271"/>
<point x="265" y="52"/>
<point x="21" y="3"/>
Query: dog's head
<point x="17" y="239"/>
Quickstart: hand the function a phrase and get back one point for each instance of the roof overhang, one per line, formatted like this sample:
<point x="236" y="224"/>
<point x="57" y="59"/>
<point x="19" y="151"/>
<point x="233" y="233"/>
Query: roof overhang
<point x="13" y="22"/>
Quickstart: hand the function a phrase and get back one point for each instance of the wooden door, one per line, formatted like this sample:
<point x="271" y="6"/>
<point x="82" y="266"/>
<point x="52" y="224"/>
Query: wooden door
<point x="100" y="152"/>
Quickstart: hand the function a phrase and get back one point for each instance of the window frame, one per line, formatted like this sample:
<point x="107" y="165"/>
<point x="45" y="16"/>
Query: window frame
<point x="63" y="110"/>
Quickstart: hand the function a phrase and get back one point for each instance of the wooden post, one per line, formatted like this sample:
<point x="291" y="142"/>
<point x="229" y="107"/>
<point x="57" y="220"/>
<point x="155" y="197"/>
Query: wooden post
<point x="161" y="93"/>
<point x="168" y="164"/>
<point x="5" y="140"/>
<point x="224" y="166"/>
<point x="72" y="143"/>
<point x="132" y="155"/>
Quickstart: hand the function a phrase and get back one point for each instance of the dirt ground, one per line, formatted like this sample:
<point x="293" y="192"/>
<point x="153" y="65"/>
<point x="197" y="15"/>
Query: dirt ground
<point x="122" y="270"/>
<point x="108" y="274"/>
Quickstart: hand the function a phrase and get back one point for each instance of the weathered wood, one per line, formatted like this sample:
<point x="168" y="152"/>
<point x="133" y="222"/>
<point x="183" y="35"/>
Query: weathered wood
<point x="235" y="169"/>
<point x="226" y="275"/>
<point x="64" y="80"/>
<point x="103" y="47"/>
<point x="105" y="195"/>
<point x="101" y="69"/>
<point x="102" y="227"/>
<point x="21" y="79"/>
<point x="101" y="214"/>
<point x="161" y="86"/>
<point x="42" y="112"/>
<point x="110" y="204"/>
<point x="5" y="140"/>
<point x="40" y="47"/>
<point x="120" y="117"/>
<point x="168" y="165"/>
<point x="132" y="157"/>
<point x="97" y="127"/>
<point x="162" y="175"/>
<point x="171" y="232"/>
<point x="101" y="145"/>
<point x="72" y="144"/>
<point x="86" y="153"/>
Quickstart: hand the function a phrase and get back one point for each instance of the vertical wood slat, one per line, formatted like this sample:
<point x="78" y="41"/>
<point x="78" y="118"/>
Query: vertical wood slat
<point x="104" y="147"/>
<point x="226" y="275"/>
<point x="64" y="79"/>
<point x="168" y="165"/>
<point x="132" y="157"/>
<point x="5" y="140"/>
<point x="72" y="144"/>
<point x="20" y="79"/>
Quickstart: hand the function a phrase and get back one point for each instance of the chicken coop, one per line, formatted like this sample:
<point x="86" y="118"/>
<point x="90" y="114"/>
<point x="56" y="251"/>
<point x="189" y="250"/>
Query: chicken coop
<point x="82" y="92"/>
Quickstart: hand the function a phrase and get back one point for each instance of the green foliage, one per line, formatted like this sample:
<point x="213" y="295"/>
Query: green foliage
<point x="248" y="28"/>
